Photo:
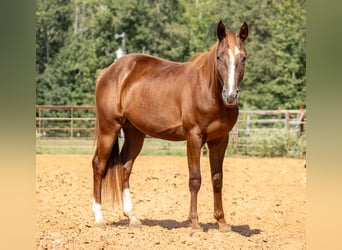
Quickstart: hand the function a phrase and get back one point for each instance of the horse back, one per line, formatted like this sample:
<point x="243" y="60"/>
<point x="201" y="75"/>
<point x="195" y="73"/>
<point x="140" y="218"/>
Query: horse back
<point x="145" y="90"/>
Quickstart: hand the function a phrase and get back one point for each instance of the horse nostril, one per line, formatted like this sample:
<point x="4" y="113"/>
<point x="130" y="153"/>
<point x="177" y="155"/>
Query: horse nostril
<point x="230" y="97"/>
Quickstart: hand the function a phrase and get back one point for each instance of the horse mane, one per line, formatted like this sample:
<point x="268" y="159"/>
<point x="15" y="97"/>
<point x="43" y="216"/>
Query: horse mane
<point x="206" y="62"/>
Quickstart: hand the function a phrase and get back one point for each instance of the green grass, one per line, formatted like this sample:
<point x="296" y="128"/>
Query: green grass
<point x="64" y="146"/>
<point x="87" y="146"/>
<point x="258" y="144"/>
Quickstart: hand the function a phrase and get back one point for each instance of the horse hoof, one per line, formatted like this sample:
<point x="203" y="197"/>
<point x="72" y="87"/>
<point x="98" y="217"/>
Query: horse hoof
<point x="225" y="229"/>
<point x="135" y="224"/>
<point x="228" y="230"/>
<point x="101" y="225"/>
<point x="195" y="231"/>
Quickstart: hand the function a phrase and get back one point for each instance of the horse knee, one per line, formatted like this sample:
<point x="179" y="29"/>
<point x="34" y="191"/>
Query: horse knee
<point x="195" y="183"/>
<point x="217" y="182"/>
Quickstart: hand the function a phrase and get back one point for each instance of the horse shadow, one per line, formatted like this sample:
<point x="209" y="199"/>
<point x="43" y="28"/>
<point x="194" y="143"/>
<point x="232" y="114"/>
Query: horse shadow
<point x="243" y="230"/>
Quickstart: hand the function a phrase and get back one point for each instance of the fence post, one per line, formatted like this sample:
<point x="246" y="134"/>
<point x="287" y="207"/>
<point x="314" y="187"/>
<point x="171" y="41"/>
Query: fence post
<point x="287" y="123"/>
<point x="235" y="135"/>
<point x="248" y="124"/>
<point x="39" y="123"/>
<point x="287" y="127"/>
<point x="71" y="122"/>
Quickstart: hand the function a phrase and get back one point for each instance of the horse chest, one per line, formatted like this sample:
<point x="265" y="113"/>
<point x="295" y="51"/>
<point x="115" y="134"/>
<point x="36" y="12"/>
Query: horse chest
<point x="220" y="127"/>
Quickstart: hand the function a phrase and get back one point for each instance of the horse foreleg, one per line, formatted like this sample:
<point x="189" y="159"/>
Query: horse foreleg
<point x="217" y="150"/>
<point x="194" y="145"/>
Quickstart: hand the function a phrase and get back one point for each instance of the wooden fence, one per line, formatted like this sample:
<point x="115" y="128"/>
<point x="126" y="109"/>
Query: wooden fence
<point x="259" y="132"/>
<point x="270" y="133"/>
<point x="65" y="121"/>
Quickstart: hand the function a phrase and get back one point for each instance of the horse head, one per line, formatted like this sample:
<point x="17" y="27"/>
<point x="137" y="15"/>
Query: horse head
<point x="231" y="55"/>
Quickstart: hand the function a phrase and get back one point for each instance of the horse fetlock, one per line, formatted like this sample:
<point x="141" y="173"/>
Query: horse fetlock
<point x="219" y="216"/>
<point x="193" y="219"/>
<point x="97" y="212"/>
<point x="195" y="227"/>
<point x="134" y="222"/>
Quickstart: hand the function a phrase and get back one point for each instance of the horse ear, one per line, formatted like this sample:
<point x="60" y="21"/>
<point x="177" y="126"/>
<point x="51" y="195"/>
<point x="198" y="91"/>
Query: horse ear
<point x="221" y="31"/>
<point x="243" y="31"/>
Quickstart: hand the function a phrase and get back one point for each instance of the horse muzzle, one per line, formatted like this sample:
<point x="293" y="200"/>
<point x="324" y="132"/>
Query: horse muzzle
<point x="230" y="99"/>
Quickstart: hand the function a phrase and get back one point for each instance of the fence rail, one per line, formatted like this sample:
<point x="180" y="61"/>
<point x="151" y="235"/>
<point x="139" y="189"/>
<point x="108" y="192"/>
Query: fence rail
<point x="63" y="121"/>
<point x="257" y="132"/>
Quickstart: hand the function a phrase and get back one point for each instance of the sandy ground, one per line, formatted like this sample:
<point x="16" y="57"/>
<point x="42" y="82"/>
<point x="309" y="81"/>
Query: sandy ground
<point x="264" y="201"/>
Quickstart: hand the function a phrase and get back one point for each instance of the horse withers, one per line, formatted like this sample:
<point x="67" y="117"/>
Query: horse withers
<point x="196" y="101"/>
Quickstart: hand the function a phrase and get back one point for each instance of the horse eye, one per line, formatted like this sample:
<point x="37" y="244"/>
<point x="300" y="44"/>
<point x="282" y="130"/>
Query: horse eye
<point x="243" y="59"/>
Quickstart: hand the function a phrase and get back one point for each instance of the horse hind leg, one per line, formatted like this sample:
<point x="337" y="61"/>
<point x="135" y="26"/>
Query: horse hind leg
<point x="134" y="140"/>
<point x="98" y="172"/>
<point x="106" y="156"/>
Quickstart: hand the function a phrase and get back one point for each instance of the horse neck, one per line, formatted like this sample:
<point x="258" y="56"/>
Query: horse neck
<point x="206" y="65"/>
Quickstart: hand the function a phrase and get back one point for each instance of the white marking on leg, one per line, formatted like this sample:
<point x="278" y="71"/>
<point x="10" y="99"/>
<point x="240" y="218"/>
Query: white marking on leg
<point x="127" y="201"/>
<point x="97" y="212"/>
<point x="128" y="206"/>
<point x="231" y="74"/>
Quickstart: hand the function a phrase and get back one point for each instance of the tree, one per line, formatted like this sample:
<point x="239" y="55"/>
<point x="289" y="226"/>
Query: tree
<point x="151" y="27"/>
<point x="53" y="19"/>
<point x="75" y="40"/>
<point x="275" y="68"/>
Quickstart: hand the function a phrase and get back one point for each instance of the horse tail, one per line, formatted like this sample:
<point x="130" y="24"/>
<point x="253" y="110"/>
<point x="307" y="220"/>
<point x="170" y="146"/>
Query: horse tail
<point x="112" y="181"/>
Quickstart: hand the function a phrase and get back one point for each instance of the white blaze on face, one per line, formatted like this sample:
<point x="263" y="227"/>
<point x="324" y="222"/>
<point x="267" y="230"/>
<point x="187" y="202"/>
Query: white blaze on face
<point x="231" y="72"/>
<point x="237" y="51"/>
<point x="97" y="212"/>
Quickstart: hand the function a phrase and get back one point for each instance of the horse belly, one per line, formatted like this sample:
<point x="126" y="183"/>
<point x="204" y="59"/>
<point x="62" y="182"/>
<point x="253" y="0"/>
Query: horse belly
<point x="160" y="119"/>
<point x="171" y="133"/>
<point x="158" y="127"/>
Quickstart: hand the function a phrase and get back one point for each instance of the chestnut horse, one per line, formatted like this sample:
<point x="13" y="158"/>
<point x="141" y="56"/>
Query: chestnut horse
<point x="196" y="101"/>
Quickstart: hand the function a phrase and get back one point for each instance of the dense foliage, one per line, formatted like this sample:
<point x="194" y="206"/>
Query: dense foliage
<point x="75" y="39"/>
